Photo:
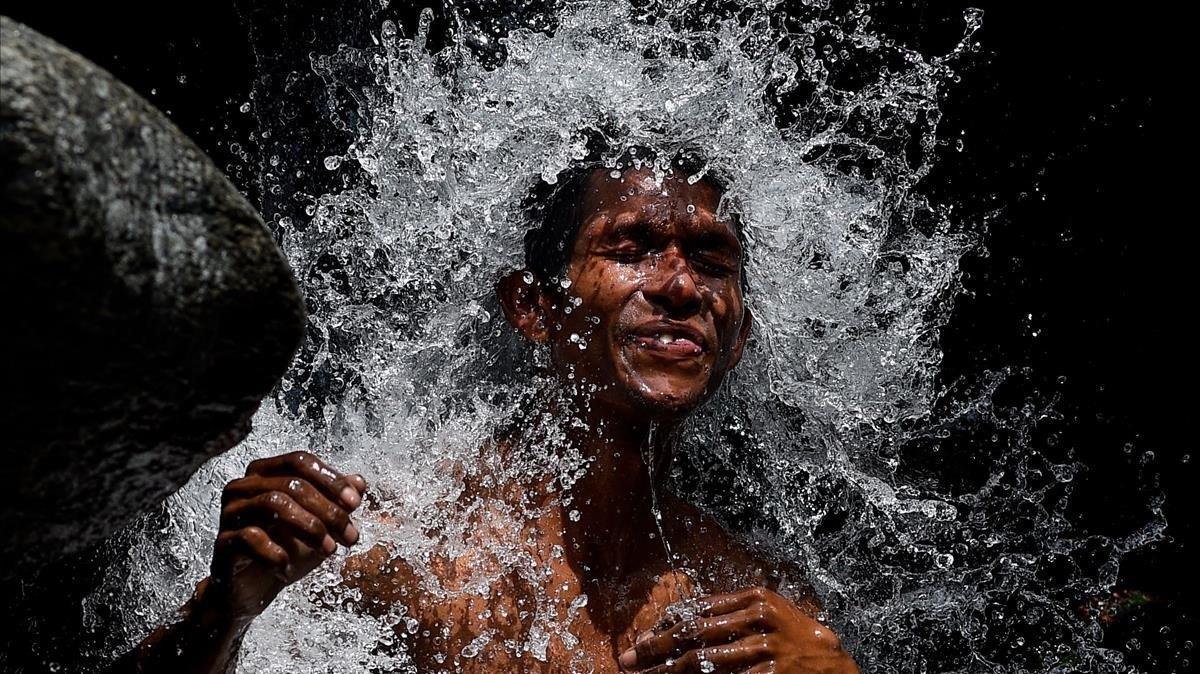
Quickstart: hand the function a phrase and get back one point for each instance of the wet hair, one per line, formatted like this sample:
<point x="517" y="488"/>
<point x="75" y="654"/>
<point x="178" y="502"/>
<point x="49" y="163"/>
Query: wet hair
<point x="555" y="217"/>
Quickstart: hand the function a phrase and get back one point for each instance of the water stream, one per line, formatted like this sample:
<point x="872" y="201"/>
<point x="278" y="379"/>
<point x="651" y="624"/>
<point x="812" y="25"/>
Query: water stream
<point x="932" y="517"/>
<point x="686" y="608"/>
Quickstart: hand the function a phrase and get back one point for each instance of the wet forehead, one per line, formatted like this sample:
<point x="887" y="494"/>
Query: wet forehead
<point x="635" y="197"/>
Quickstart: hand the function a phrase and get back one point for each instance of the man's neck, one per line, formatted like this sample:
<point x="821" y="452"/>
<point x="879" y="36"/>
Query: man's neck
<point x="612" y="526"/>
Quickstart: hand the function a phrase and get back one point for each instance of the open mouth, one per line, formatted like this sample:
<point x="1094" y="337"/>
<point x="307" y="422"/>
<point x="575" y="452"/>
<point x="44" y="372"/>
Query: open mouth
<point x="670" y="341"/>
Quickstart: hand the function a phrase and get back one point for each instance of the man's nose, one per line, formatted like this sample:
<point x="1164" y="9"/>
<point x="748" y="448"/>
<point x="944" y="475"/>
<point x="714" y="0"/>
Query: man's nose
<point x="672" y="286"/>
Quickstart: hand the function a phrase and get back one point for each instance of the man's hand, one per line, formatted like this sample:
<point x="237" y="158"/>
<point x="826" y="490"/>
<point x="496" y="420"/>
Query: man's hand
<point x="277" y="524"/>
<point x="753" y="631"/>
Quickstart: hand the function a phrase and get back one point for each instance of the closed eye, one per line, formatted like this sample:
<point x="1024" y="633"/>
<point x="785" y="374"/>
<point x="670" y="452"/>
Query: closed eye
<point x="629" y="250"/>
<point x="631" y="242"/>
<point x="714" y="265"/>
<point x="715" y="253"/>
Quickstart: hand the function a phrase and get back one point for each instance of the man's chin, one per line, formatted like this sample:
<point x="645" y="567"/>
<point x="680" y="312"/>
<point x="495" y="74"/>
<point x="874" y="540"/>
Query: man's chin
<point x="666" y="402"/>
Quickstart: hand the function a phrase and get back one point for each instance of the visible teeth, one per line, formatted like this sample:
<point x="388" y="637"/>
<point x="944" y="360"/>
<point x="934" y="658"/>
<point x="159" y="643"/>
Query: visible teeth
<point x="666" y="339"/>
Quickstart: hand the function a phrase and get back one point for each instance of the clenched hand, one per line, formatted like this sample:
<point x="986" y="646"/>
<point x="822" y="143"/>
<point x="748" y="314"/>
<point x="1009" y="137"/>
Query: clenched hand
<point x="278" y="523"/>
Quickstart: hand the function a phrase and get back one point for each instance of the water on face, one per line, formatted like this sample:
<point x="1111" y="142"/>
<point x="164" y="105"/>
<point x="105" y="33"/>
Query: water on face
<point x="829" y="446"/>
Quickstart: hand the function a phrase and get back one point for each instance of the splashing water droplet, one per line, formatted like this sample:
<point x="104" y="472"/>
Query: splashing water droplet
<point x="837" y="444"/>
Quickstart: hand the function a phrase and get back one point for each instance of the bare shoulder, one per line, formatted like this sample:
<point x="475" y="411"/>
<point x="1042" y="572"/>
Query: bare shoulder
<point x="728" y="562"/>
<point x="447" y="568"/>
<point x="450" y="593"/>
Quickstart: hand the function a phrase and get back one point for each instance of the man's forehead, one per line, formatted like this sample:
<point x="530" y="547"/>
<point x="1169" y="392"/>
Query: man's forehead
<point x="605" y="184"/>
<point x="637" y="195"/>
<point x="663" y="219"/>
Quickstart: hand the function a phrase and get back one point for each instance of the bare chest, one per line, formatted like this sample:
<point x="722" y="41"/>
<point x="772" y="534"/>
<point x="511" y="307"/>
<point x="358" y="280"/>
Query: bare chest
<point x="528" y="606"/>
<point x="559" y="626"/>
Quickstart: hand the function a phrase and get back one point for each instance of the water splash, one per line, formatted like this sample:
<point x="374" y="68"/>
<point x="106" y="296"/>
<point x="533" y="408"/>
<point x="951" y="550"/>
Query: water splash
<point x="832" y="445"/>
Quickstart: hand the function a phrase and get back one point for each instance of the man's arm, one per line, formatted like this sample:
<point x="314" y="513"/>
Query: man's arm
<point x="205" y="639"/>
<point x="278" y="523"/>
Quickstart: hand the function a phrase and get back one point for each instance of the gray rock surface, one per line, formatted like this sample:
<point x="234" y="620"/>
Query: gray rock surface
<point x="145" y="309"/>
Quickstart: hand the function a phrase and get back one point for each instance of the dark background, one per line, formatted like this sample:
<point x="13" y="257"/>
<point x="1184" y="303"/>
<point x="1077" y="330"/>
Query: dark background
<point x="1076" y="144"/>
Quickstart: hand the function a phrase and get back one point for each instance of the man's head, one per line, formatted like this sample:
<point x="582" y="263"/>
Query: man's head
<point x="636" y="286"/>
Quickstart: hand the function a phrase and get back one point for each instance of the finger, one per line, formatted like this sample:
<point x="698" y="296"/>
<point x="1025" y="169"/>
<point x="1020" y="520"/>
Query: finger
<point x="653" y="648"/>
<point x="335" y="518"/>
<point x="306" y="465"/>
<point x="719" y="604"/>
<point x="277" y="511"/>
<point x="740" y="654"/>
<point x="826" y="637"/>
<point x="250" y="543"/>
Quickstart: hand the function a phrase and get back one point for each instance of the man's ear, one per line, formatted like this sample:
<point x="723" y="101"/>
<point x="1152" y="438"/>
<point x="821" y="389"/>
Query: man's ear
<point x="743" y="335"/>
<point x="522" y="305"/>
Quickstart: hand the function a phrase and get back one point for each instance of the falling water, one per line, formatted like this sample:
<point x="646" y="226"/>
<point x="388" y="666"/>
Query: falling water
<point x="930" y="516"/>
<point x="649" y="458"/>
<point x="686" y="608"/>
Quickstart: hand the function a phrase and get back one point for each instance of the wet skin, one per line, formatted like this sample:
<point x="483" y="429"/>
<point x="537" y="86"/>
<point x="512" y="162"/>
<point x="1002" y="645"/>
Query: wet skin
<point x="656" y="297"/>
<point x="650" y="261"/>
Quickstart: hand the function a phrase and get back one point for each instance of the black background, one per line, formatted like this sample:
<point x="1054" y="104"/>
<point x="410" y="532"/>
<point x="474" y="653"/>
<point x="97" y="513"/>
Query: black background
<point x="1076" y="135"/>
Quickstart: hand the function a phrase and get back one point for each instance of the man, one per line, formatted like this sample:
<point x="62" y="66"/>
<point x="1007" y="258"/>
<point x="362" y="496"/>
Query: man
<point x="648" y="278"/>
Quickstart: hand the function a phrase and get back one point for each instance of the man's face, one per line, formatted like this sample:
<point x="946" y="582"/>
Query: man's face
<point x="655" y="316"/>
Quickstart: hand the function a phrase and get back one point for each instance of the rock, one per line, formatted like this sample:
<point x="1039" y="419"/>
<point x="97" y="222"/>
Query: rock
<point x="145" y="309"/>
